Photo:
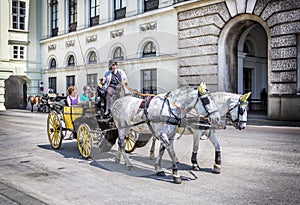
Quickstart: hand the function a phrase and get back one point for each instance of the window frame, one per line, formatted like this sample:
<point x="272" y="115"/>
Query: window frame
<point x="150" y="5"/>
<point x="18" y="52"/>
<point x="118" y="57"/>
<point x="151" y="88"/>
<point x="70" y="81"/>
<point x="92" y="57"/>
<point x="71" y="61"/>
<point x="72" y="15"/>
<point x="51" y="65"/>
<point x="119" y="9"/>
<point x="18" y="15"/>
<point x="152" y="53"/>
<point x="92" y="80"/>
<point x="54" y="17"/>
<point x="52" y="83"/>
<point x="94" y="9"/>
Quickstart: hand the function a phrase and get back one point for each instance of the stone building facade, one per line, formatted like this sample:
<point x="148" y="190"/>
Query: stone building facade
<point x="20" y="61"/>
<point x="240" y="46"/>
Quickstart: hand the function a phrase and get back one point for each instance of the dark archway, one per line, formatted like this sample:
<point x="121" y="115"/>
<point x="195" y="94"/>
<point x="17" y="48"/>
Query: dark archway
<point x="15" y="93"/>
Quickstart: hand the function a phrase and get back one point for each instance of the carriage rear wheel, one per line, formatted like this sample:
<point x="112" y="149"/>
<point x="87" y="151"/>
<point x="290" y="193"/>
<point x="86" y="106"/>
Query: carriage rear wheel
<point x="84" y="140"/>
<point x="54" y="130"/>
<point x="130" y="141"/>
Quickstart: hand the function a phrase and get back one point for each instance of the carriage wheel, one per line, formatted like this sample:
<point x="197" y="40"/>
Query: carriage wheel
<point x="54" y="129"/>
<point x="130" y="141"/>
<point x="84" y="140"/>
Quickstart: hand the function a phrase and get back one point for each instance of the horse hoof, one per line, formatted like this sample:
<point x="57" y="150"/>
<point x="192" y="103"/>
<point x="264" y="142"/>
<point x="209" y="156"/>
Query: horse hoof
<point x="161" y="174"/>
<point x="217" y="169"/>
<point x="177" y="179"/>
<point x="129" y="168"/>
<point x="196" y="168"/>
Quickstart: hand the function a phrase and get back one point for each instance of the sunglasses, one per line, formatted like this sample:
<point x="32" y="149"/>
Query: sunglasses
<point x="114" y="64"/>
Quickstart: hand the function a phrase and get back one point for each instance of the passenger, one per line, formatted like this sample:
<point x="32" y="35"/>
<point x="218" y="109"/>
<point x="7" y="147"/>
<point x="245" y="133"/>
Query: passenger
<point x="84" y="97"/>
<point x="72" y="98"/>
<point x="111" y="79"/>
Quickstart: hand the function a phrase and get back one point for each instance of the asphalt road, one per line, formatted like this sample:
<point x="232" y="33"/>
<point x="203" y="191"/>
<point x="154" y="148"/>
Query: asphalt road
<point x="260" y="165"/>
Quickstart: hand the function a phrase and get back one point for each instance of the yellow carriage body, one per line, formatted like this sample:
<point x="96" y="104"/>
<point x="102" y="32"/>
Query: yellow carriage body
<point x="71" y="114"/>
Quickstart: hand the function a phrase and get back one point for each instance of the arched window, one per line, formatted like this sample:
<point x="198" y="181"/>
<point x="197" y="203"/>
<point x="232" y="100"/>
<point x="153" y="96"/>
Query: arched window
<point x="149" y="49"/>
<point x="52" y="63"/>
<point x="118" y="54"/>
<point x="71" y="61"/>
<point x="92" y="57"/>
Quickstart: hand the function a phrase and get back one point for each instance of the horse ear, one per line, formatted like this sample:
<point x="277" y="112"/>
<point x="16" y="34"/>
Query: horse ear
<point x="245" y="97"/>
<point x="202" y="87"/>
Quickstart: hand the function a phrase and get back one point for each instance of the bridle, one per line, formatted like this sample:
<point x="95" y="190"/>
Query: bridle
<point x="240" y="112"/>
<point x="205" y="101"/>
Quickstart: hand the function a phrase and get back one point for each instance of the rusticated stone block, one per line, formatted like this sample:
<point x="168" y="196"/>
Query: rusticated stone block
<point x="283" y="17"/>
<point x="198" y="51"/>
<point x="276" y="6"/>
<point x="288" y="64"/>
<point x="201" y="21"/>
<point x="199" y="31"/>
<point x="206" y="10"/>
<point x="198" y="41"/>
<point x="287" y="28"/>
<point x="202" y="60"/>
<point x="287" y="88"/>
<point x="259" y="7"/>
<point x="282" y="41"/>
<point x="198" y="70"/>
<point x="290" y="52"/>
<point x="196" y="80"/>
<point x="283" y="77"/>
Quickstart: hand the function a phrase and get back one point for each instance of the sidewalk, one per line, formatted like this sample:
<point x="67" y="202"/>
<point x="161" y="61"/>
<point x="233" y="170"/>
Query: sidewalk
<point x="260" y="118"/>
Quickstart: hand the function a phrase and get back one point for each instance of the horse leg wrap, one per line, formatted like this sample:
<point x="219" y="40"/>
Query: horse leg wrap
<point x="218" y="157"/>
<point x="217" y="165"/>
<point x="194" y="158"/>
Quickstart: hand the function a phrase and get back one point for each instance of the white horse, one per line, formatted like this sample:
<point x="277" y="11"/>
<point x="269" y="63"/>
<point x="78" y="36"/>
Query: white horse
<point x="235" y="108"/>
<point x="160" y="119"/>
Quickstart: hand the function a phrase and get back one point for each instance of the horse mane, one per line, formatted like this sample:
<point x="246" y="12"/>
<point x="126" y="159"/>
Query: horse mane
<point x="119" y="92"/>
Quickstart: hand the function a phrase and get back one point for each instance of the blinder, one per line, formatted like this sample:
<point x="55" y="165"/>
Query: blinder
<point x="205" y="101"/>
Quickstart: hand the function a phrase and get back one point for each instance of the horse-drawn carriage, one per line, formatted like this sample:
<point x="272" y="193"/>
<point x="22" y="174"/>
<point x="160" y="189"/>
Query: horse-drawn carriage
<point x="134" y="126"/>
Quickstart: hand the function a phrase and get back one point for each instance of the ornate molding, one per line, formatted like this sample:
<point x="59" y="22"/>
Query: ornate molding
<point x="117" y="33"/>
<point x="70" y="43"/>
<point x="51" y="47"/>
<point x="90" y="39"/>
<point x="148" y="26"/>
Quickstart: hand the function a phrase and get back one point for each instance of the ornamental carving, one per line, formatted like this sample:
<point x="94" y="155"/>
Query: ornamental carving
<point x="148" y="26"/>
<point x="90" y="39"/>
<point x="51" y="47"/>
<point x="70" y="43"/>
<point x="117" y="33"/>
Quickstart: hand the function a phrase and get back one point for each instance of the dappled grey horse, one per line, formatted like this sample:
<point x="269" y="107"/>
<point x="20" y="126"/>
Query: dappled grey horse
<point x="234" y="106"/>
<point x="161" y="119"/>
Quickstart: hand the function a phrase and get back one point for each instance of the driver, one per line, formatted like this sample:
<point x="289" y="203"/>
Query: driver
<point x="111" y="79"/>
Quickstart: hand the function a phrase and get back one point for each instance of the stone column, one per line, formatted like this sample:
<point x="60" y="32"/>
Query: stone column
<point x="241" y="57"/>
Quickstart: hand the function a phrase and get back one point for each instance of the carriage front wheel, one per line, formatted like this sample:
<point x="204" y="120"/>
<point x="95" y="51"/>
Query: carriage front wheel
<point x="84" y="140"/>
<point x="54" y="130"/>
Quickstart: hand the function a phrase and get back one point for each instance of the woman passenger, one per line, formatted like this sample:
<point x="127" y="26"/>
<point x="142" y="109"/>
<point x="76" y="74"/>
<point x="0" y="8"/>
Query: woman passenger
<point x="72" y="98"/>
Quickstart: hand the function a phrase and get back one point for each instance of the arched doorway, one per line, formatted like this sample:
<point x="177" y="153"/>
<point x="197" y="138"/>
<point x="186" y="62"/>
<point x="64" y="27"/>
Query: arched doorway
<point x="15" y="93"/>
<point x="243" y="56"/>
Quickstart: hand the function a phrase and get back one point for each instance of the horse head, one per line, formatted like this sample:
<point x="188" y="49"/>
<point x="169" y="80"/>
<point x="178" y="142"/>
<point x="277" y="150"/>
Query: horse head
<point x="208" y="104"/>
<point x="238" y="112"/>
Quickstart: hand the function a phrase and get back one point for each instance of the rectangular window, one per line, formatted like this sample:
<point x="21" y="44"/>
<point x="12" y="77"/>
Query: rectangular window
<point x="70" y="81"/>
<point x="94" y="12"/>
<point x="72" y="15"/>
<point x="149" y="81"/>
<point x="18" y="14"/>
<point x="150" y="5"/>
<point x="54" y="17"/>
<point x="18" y="52"/>
<point x="52" y="83"/>
<point x="120" y="9"/>
<point x="91" y="80"/>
